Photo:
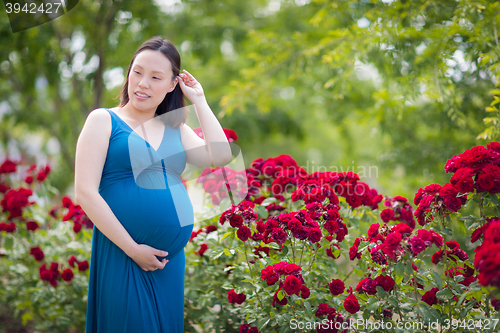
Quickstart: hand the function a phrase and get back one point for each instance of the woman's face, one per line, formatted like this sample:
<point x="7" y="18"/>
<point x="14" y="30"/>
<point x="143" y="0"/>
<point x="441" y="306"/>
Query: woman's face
<point x="150" y="79"/>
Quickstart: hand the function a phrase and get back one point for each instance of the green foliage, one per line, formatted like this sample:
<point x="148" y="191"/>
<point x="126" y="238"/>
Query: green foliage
<point x="34" y="301"/>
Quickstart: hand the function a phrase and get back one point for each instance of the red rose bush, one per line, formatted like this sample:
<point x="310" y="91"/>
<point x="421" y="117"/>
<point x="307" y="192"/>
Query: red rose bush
<point x="321" y="251"/>
<point x="44" y="250"/>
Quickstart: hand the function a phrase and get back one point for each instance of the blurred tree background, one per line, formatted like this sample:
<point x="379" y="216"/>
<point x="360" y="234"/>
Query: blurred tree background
<point x="388" y="89"/>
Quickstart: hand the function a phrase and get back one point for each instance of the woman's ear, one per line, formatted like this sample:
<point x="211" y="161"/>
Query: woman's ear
<point x="174" y="84"/>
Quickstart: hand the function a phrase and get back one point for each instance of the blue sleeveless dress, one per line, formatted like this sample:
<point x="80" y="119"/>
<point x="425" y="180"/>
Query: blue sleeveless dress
<point x="152" y="204"/>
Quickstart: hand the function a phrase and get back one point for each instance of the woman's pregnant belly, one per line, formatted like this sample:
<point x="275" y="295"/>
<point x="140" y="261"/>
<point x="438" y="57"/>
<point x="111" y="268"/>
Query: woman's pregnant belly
<point x="161" y="218"/>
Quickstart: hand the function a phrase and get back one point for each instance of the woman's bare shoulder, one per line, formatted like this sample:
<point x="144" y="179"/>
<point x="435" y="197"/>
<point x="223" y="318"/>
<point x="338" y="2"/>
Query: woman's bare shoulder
<point x="97" y="125"/>
<point x="98" y="114"/>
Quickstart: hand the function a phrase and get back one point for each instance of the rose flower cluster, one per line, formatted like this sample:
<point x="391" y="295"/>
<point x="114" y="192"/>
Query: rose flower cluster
<point x="54" y="271"/>
<point x="75" y="214"/>
<point x="289" y="280"/>
<point x="487" y="260"/>
<point x="476" y="169"/>
<point x="219" y="181"/>
<point x="393" y="242"/>
<point x="399" y="209"/>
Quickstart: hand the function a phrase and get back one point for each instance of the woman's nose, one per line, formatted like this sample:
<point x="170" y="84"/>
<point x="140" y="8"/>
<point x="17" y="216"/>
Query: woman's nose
<point x="143" y="83"/>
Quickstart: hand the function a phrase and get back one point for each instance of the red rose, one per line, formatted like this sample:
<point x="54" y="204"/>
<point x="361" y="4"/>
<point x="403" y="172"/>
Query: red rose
<point x="28" y="179"/>
<point x="314" y="235"/>
<point x="324" y="309"/>
<point x="235" y="221"/>
<point x="417" y="245"/>
<point x="46" y="275"/>
<point x="329" y="251"/>
<point x="436" y="257"/>
<point x="304" y="292"/>
<point x="387" y="214"/>
<point x="291" y="268"/>
<point x="7" y="167"/>
<point x="264" y="273"/>
<point x="15" y="200"/>
<point x="386" y="282"/>
<point x="452" y="203"/>
<point x="418" y="196"/>
<point x="67" y="202"/>
<point x="9" y="227"/>
<point x="292" y="285"/>
<point x="37" y="253"/>
<point x="210" y="228"/>
<point x="272" y="278"/>
<point x="41" y="175"/>
<point x="293" y="224"/>
<point x="336" y="287"/>
<point x="284" y="301"/>
<point x="67" y="275"/>
<point x="402" y="228"/>
<point x="486" y="181"/>
<point x="432" y="189"/>
<point x="430" y="296"/>
<point x="203" y="248"/>
<point x="243" y="233"/>
<point x="373" y="230"/>
<point x="392" y="241"/>
<point x="370" y="286"/>
<point x="279" y="235"/>
<point x="77" y="227"/>
<point x="351" y="304"/>
<point x="4" y="188"/>
<point x="83" y="266"/>
<point x="465" y="185"/>
<point x="31" y="225"/>
<point x="448" y="190"/>
<point x="244" y="328"/>
<point x="235" y="298"/>
<point x="72" y="260"/>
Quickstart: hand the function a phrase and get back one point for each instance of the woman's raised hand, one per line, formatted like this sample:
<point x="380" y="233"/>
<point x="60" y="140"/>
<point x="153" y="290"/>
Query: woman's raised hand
<point x="146" y="257"/>
<point x="190" y="87"/>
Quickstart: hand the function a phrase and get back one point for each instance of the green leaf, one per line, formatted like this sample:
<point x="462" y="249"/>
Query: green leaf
<point x="217" y="256"/>
<point x="27" y="316"/>
<point x="9" y="241"/>
<point x="444" y="294"/>
<point x="399" y="269"/>
<point x="225" y="235"/>
<point x="284" y="250"/>
<point x="437" y="279"/>
<point x="264" y="325"/>
<point x="409" y="268"/>
<point x="393" y="301"/>
<point x="307" y="306"/>
<point x="381" y="292"/>
<point x="373" y="306"/>
<point x="281" y="294"/>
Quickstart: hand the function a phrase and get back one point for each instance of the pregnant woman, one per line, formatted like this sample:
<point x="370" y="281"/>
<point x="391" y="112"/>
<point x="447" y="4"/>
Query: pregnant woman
<point x="127" y="180"/>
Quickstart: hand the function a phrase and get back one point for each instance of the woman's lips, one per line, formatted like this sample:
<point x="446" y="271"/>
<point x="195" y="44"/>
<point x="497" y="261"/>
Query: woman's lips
<point x="141" y="97"/>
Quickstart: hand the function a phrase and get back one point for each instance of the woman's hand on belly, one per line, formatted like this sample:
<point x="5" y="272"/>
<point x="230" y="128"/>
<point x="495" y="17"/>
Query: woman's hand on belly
<point x="146" y="257"/>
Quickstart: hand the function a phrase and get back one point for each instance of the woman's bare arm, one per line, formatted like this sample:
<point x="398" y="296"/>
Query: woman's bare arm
<point x="214" y="149"/>
<point x="196" y="148"/>
<point x="91" y="151"/>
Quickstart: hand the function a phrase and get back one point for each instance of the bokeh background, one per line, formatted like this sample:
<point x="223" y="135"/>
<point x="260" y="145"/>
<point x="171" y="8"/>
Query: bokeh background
<point x="388" y="89"/>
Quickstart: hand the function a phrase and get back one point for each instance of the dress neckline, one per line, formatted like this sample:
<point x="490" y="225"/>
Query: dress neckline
<point x="149" y="145"/>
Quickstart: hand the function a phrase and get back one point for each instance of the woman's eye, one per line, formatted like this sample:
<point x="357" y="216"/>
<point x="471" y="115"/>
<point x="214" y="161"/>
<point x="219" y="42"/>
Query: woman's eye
<point x="156" y="78"/>
<point x="137" y="72"/>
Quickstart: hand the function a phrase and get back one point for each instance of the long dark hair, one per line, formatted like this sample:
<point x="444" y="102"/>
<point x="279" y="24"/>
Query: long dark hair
<point x="174" y="99"/>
